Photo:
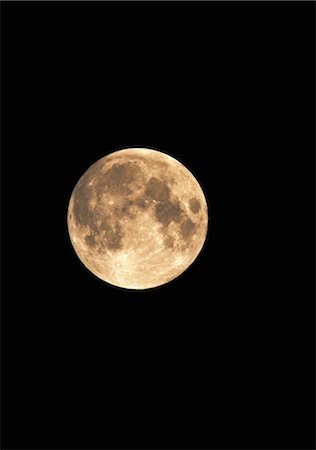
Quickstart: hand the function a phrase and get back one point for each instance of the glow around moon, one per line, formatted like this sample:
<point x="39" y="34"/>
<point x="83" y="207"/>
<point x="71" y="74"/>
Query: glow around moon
<point x="137" y="218"/>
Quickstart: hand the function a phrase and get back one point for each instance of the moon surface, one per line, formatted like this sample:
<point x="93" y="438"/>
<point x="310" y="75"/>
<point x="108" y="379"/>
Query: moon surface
<point x="137" y="218"/>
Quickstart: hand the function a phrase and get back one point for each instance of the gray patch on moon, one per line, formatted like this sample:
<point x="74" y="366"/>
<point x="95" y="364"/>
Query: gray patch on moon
<point x="113" y="233"/>
<point x="167" y="212"/>
<point x="122" y="211"/>
<point x="194" y="205"/>
<point x="141" y="203"/>
<point x="169" y="241"/>
<point x="118" y="179"/>
<point x="157" y="189"/>
<point x="82" y="209"/>
<point x="187" y="228"/>
<point x="114" y="237"/>
<point x="128" y="208"/>
<point x="90" y="240"/>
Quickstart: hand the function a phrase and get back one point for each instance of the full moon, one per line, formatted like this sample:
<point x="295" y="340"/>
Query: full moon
<point x="137" y="218"/>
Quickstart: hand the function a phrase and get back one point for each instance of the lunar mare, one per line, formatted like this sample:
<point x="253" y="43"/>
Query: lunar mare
<point x="137" y="218"/>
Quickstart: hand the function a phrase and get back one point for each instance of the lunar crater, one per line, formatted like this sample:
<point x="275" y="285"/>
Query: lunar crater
<point x="194" y="205"/>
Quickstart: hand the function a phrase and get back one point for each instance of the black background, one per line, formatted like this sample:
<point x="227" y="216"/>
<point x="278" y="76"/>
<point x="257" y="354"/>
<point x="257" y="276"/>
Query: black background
<point x="223" y="356"/>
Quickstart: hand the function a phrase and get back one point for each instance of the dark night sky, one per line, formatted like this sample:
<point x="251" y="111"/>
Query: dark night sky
<point x="224" y="356"/>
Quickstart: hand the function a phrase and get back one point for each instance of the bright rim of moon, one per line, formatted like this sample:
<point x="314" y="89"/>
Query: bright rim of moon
<point x="137" y="218"/>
